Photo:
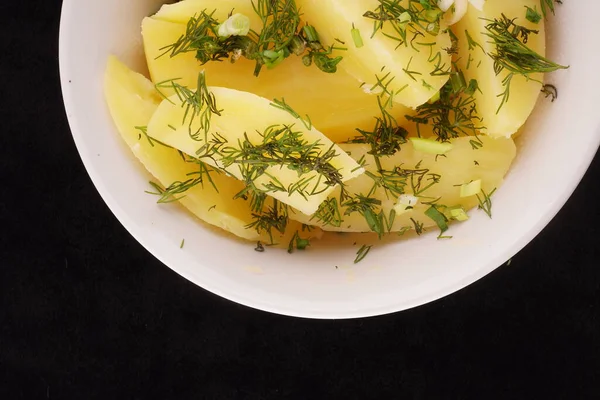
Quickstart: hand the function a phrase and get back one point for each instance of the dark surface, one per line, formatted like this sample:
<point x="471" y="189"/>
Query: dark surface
<point x="86" y="312"/>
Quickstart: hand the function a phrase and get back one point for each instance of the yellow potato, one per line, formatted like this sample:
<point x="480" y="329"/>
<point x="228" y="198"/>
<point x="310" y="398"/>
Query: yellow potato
<point x="461" y="165"/>
<point x="244" y="117"/>
<point x="334" y="102"/>
<point x="416" y="67"/>
<point x="132" y="100"/>
<point x="474" y="61"/>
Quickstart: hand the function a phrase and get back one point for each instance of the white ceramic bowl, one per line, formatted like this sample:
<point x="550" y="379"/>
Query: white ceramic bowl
<point x="560" y="142"/>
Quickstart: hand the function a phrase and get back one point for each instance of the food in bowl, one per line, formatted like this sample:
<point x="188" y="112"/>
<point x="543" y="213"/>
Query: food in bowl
<point x="283" y="121"/>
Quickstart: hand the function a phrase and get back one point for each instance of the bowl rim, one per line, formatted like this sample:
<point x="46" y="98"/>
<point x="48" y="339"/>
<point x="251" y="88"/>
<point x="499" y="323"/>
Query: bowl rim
<point x="551" y="210"/>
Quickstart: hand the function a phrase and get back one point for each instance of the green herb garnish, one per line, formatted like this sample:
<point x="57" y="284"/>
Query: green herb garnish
<point x="485" y="202"/>
<point x="439" y="218"/>
<point x="199" y="104"/>
<point x="513" y="55"/>
<point x="281" y="36"/>
<point x="362" y="253"/>
<point x="533" y="15"/>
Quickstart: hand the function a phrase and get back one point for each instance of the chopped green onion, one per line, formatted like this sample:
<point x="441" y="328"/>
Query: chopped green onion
<point x="458" y="82"/>
<point x="236" y="25"/>
<point x="533" y="15"/>
<point x="458" y="213"/>
<point x="357" y="38"/>
<point x="273" y="58"/>
<point x="430" y="146"/>
<point x="297" y="45"/>
<point x="404" y="17"/>
<point x="311" y="33"/>
<point x="302" y="244"/>
<point x="439" y="219"/>
<point x="432" y="15"/>
<point x="470" y="189"/>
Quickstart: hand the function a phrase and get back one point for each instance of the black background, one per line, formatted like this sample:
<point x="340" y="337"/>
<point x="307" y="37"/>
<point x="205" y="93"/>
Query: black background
<point x="86" y="312"/>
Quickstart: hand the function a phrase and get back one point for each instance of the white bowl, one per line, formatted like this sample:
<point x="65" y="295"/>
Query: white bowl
<point x="557" y="148"/>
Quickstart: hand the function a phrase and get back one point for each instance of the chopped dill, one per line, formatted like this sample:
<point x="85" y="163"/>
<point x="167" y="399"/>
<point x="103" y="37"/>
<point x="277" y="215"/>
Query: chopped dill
<point x="485" y="202"/>
<point x="513" y="55"/>
<point x="198" y="104"/>
<point x="362" y="253"/>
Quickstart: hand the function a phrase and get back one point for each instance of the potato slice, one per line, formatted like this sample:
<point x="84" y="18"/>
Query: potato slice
<point x="415" y="68"/>
<point x="132" y="100"/>
<point x="461" y="165"/>
<point x="334" y="102"/>
<point x="244" y="120"/>
<point x="474" y="61"/>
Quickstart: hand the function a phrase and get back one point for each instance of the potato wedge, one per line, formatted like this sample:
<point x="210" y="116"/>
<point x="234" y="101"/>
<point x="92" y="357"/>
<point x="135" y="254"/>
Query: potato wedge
<point x="132" y="100"/>
<point x="413" y="69"/>
<point x="474" y="60"/>
<point x="334" y="102"/>
<point x="417" y="173"/>
<point x="246" y="123"/>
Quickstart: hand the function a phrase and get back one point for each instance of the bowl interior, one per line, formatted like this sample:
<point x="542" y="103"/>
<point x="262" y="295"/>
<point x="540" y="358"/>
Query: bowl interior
<point x="560" y="141"/>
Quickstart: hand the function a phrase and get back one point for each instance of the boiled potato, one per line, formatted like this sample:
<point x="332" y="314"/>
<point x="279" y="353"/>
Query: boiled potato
<point x="459" y="166"/>
<point x="132" y="100"/>
<point x="474" y="60"/>
<point x="414" y="69"/>
<point x="244" y="117"/>
<point x="334" y="102"/>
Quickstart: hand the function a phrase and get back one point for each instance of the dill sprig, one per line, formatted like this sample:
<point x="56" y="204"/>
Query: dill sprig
<point x="391" y="182"/>
<point x="176" y="190"/>
<point x="282" y="105"/>
<point x="485" y="202"/>
<point x="282" y="145"/>
<point x="144" y="132"/>
<point x="329" y="213"/>
<point x="418" y="226"/>
<point x="273" y="219"/>
<point x="419" y="179"/>
<point x="199" y="104"/>
<point x="408" y="20"/>
<point x="513" y="55"/>
<point x="387" y="135"/>
<point x="370" y="209"/>
<point x="454" y="114"/>
<point x="281" y="36"/>
<point x="362" y="253"/>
